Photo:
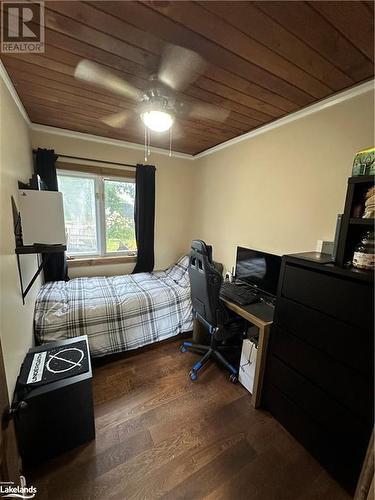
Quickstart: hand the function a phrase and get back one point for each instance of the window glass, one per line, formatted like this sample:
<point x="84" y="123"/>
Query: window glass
<point x="80" y="213"/>
<point x="119" y="216"/>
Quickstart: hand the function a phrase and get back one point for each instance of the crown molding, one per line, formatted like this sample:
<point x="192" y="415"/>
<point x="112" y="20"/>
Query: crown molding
<point x="9" y="85"/>
<point x="309" y="110"/>
<point x="104" y="140"/>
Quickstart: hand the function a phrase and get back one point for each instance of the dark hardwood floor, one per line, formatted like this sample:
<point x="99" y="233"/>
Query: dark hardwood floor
<point x="161" y="436"/>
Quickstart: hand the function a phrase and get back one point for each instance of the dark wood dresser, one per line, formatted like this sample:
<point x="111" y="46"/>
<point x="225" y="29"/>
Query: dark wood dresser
<point x="319" y="372"/>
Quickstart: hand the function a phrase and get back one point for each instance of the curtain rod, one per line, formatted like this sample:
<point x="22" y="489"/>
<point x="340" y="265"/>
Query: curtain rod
<point x="92" y="159"/>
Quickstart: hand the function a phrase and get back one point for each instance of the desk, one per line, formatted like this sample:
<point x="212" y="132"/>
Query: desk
<point x="260" y="315"/>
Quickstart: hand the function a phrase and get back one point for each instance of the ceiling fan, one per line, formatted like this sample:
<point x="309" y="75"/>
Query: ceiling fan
<point x="158" y="105"/>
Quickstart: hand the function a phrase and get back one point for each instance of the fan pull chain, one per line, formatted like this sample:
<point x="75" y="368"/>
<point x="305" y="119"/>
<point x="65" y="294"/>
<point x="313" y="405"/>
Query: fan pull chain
<point x="147" y="142"/>
<point x="170" y="141"/>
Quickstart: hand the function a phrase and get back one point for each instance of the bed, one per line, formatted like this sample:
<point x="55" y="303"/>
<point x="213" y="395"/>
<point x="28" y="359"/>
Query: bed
<point x="117" y="313"/>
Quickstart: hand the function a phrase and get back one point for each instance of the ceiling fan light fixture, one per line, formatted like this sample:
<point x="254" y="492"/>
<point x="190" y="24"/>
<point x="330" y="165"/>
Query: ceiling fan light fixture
<point x="158" y="121"/>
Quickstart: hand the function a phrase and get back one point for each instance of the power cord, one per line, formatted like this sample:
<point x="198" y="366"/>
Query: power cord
<point x="254" y="345"/>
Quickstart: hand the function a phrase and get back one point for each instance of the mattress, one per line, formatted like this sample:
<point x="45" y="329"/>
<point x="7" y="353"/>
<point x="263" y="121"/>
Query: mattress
<point x="117" y="313"/>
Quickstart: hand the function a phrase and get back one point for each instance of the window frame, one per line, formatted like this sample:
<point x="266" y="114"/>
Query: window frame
<point x="99" y="177"/>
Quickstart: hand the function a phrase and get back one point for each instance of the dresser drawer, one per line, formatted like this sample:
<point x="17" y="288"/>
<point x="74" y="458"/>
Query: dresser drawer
<point x="338" y="456"/>
<point x="318" y="405"/>
<point x="346" y="385"/>
<point x="347" y="300"/>
<point x="351" y="345"/>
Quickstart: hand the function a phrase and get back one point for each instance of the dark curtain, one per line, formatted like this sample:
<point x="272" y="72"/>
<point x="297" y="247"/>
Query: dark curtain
<point x="144" y="216"/>
<point x="56" y="268"/>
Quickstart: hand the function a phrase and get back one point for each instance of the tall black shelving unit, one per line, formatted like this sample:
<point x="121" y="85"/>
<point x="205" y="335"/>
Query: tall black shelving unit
<point x="353" y="225"/>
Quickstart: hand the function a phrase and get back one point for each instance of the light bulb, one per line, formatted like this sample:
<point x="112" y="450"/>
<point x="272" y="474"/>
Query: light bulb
<point x="159" y="121"/>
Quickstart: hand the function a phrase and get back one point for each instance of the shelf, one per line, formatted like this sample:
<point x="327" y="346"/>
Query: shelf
<point x="362" y="222"/>
<point x="32" y="249"/>
<point x="361" y="179"/>
<point x="46" y="251"/>
<point x="352" y="227"/>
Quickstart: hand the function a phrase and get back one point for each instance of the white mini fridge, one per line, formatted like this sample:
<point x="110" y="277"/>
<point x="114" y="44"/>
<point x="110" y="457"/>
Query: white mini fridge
<point x="42" y="217"/>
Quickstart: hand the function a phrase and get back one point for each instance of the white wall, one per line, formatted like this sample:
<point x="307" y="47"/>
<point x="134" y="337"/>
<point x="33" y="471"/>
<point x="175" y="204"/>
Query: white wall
<point x="174" y="200"/>
<point x="16" y="320"/>
<point x="281" y="191"/>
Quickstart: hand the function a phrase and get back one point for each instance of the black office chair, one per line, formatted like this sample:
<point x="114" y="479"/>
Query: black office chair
<point x="209" y="310"/>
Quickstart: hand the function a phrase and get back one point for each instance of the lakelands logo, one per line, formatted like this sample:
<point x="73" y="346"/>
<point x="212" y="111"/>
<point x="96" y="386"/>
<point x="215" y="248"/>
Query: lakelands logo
<point x="10" y="490"/>
<point x="22" y="27"/>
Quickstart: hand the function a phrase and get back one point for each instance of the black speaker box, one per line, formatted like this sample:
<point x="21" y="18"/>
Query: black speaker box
<point x="53" y="405"/>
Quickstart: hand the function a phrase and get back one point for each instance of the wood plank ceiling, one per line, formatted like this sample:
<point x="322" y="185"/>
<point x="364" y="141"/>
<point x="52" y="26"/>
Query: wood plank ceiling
<point x="265" y="59"/>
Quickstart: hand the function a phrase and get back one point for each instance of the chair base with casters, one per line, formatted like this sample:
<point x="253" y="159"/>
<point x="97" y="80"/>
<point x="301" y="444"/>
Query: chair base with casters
<point x="207" y="308"/>
<point x="213" y="351"/>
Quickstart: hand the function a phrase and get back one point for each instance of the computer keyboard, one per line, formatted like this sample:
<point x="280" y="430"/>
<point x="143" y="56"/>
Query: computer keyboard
<point x="239" y="294"/>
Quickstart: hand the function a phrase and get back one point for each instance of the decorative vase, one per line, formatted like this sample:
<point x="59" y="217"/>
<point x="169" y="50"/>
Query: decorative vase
<point x="364" y="162"/>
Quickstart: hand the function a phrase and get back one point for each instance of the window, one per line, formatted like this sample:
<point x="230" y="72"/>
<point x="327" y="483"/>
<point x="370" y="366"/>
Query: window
<point x="119" y="215"/>
<point x="99" y="214"/>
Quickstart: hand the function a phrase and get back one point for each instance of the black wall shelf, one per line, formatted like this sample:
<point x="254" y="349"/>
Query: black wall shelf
<point x="39" y="248"/>
<point x="45" y="251"/>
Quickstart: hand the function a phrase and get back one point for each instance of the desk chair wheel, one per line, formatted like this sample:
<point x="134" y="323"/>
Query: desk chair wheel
<point x="193" y="375"/>
<point x="233" y="379"/>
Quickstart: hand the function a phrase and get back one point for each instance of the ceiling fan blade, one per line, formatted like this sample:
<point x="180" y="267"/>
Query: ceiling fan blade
<point x="180" y="67"/>
<point x="90" y="72"/>
<point x="204" y="111"/>
<point x="177" y="131"/>
<point x="117" y="120"/>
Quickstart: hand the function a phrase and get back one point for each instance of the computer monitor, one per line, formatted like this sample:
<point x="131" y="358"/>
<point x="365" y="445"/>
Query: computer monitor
<point x="258" y="269"/>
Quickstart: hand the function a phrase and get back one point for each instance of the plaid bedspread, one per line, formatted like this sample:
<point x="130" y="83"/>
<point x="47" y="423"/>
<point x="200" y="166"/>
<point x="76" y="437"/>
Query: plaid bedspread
<point x="117" y="313"/>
